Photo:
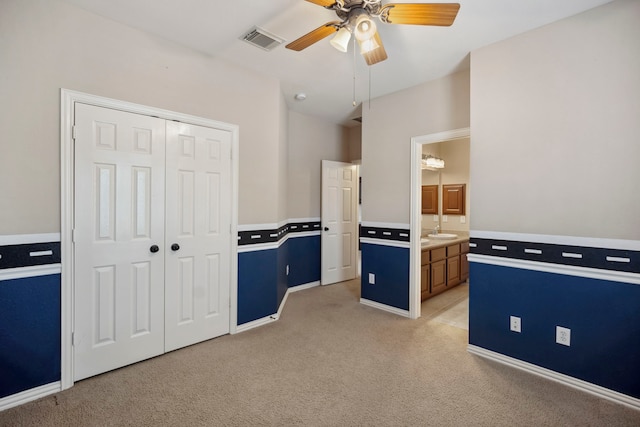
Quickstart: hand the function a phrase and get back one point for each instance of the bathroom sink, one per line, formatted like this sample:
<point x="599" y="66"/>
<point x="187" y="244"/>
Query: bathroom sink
<point x="424" y="240"/>
<point x="443" y="236"/>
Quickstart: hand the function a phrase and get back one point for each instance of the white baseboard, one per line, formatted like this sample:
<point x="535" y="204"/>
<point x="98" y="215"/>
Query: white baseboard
<point x="256" y="323"/>
<point x="29" y="395"/>
<point x="384" y="307"/>
<point x="582" y="385"/>
<point x="304" y="286"/>
<point x="270" y="319"/>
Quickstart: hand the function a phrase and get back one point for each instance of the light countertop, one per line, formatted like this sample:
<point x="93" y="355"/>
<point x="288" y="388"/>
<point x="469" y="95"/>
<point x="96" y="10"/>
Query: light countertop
<point x="463" y="236"/>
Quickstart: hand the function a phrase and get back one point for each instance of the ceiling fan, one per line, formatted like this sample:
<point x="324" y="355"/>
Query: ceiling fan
<point x="356" y="17"/>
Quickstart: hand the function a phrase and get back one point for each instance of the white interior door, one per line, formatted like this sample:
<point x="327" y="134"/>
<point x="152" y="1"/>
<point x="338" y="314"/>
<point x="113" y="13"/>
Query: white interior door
<point x="119" y="224"/>
<point x="198" y="233"/>
<point x="339" y="240"/>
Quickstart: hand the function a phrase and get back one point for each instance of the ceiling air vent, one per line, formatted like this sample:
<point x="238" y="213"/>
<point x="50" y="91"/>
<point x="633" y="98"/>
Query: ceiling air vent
<point x="262" y="39"/>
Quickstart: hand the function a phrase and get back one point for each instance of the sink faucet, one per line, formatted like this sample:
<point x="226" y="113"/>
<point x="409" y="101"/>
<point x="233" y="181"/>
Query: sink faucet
<point x="435" y="230"/>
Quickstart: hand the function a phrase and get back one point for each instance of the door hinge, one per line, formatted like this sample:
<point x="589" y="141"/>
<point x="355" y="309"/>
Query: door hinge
<point x="73" y="235"/>
<point x="73" y="132"/>
<point x="73" y="339"/>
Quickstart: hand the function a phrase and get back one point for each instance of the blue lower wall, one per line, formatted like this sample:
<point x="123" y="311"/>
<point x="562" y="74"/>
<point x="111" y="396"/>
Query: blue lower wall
<point x="390" y="265"/>
<point x="29" y="333"/>
<point x="304" y="260"/>
<point x="604" y="318"/>
<point x="257" y="284"/>
<point x="263" y="279"/>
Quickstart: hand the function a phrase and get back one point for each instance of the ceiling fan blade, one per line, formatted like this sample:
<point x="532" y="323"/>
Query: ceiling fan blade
<point x="314" y="36"/>
<point x="375" y="55"/>
<point x="440" y="14"/>
<point x="323" y="3"/>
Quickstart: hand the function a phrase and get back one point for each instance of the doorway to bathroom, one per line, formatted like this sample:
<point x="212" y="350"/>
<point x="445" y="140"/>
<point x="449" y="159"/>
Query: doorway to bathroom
<point x="449" y="258"/>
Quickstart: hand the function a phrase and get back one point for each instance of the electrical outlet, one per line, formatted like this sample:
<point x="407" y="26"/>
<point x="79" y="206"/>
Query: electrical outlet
<point x="287" y="269"/>
<point x="563" y="336"/>
<point x="463" y="219"/>
<point x="445" y="218"/>
<point x="372" y="279"/>
<point x="515" y="324"/>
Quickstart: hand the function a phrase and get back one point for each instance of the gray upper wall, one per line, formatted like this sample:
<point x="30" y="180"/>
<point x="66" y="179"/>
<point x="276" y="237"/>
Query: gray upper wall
<point x="555" y="128"/>
<point x="311" y="141"/>
<point x="387" y="128"/>
<point x="46" y="45"/>
<point x="566" y="91"/>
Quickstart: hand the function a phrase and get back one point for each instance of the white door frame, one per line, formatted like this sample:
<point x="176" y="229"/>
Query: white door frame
<point x="416" y="182"/>
<point x="67" y="100"/>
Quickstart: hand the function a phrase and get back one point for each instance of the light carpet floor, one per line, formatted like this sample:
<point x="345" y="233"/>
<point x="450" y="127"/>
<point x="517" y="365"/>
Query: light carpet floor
<point x="328" y="361"/>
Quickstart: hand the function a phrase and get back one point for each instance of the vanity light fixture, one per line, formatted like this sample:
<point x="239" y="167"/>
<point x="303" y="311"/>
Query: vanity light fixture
<point x="432" y="162"/>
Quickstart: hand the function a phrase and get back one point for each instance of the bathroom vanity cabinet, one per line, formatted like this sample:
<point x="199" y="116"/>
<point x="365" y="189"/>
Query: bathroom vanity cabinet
<point x="443" y="266"/>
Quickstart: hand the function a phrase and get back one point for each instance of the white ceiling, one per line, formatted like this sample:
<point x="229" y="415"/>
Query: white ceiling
<point x="416" y="53"/>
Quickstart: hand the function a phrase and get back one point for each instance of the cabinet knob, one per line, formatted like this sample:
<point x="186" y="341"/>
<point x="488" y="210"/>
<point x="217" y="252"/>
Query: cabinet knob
<point x="175" y="247"/>
<point x="326" y="229"/>
<point x="154" y="249"/>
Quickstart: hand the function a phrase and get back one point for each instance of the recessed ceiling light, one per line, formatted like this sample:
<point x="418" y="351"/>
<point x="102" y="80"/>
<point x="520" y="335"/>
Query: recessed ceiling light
<point x="300" y="96"/>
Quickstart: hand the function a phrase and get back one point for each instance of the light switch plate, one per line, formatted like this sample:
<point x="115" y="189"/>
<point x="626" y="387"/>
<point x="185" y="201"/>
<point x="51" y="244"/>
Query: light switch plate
<point x="372" y="279"/>
<point x="445" y="218"/>
<point x="463" y="219"/>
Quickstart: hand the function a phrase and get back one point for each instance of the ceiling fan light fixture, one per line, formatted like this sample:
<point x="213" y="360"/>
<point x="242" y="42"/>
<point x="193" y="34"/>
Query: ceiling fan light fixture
<point x="341" y="40"/>
<point x="367" y="46"/>
<point x="365" y="28"/>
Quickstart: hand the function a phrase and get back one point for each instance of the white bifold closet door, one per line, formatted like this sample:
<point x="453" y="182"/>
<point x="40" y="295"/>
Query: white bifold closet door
<point x="151" y="237"/>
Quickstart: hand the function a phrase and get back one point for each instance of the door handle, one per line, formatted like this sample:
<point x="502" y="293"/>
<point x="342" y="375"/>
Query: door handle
<point x="326" y="229"/>
<point x="154" y="249"/>
<point x="175" y="247"/>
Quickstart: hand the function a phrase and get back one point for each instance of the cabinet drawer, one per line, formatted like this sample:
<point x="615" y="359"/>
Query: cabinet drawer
<point x="424" y="258"/>
<point x="453" y="250"/>
<point x="438" y="254"/>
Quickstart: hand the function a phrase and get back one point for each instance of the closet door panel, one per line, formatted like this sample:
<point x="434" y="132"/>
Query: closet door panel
<point x="119" y="216"/>
<point x="198" y="224"/>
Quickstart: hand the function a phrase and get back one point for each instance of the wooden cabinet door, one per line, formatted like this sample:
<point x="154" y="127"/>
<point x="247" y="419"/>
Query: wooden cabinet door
<point x="438" y="276"/>
<point x="464" y="267"/>
<point x="425" y="279"/>
<point x="453" y="271"/>
<point x="453" y="199"/>
<point x="429" y="199"/>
